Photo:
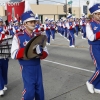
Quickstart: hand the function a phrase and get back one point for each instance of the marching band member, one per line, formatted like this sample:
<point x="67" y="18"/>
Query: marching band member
<point x="16" y="27"/>
<point x="3" y="60"/>
<point x="58" y="26"/>
<point x="21" y="26"/>
<point x="65" y="29"/>
<point x="81" y="31"/>
<point x="37" y="26"/>
<point x="5" y="28"/>
<point x="83" y="25"/>
<point x="10" y="28"/>
<point x="53" y="29"/>
<point x="47" y="29"/>
<point x="93" y="35"/>
<point x="77" y="26"/>
<point x="71" y="30"/>
<point x="62" y="27"/>
<point x="31" y="69"/>
<point x="42" y="27"/>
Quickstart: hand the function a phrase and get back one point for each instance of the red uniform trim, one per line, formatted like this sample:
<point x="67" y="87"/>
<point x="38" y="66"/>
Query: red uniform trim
<point x="97" y="35"/>
<point x="7" y="33"/>
<point x="44" y="55"/>
<point x="36" y="30"/>
<point x="47" y="29"/>
<point x="42" y="29"/>
<point x="17" y="31"/>
<point x="70" y="27"/>
<point x="20" y="53"/>
<point x="3" y="36"/>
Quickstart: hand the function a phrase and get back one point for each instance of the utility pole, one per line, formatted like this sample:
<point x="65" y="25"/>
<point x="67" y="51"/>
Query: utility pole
<point x="66" y="7"/>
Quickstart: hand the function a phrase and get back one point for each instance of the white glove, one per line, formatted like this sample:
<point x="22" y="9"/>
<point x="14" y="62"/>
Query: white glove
<point x="18" y="30"/>
<point x="48" y="27"/>
<point x="41" y="26"/>
<point x="56" y="28"/>
<point x="39" y="49"/>
<point x="39" y="29"/>
<point x="72" y="26"/>
<point x="2" y="32"/>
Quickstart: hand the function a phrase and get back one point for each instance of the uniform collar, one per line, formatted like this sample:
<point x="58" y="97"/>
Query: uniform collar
<point x="96" y="21"/>
<point x="30" y="35"/>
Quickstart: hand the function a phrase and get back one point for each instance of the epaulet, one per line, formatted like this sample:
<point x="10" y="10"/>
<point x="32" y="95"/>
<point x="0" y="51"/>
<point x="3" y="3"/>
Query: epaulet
<point x="19" y="33"/>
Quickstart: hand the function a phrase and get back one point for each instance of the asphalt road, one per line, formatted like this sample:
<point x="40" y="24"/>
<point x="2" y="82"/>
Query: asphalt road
<point x="65" y="72"/>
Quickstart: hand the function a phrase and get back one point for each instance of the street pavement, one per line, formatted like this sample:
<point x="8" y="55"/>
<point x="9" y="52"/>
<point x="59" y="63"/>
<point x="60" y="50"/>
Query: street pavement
<point x="65" y="72"/>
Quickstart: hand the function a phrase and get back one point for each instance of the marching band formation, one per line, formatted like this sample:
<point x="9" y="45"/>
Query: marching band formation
<point x="15" y="36"/>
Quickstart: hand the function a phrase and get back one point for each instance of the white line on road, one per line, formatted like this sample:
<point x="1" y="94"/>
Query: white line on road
<point x="69" y="66"/>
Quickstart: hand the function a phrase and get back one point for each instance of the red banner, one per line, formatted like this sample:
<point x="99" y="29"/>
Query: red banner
<point x="15" y="10"/>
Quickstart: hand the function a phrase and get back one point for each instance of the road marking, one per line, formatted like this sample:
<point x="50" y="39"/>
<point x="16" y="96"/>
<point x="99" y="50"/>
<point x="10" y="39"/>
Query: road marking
<point x="68" y="46"/>
<point x="86" y="70"/>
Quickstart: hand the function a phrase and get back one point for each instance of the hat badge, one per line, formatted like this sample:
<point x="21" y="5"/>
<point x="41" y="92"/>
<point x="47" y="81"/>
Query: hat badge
<point x="95" y="28"/>
<point x="31" y="15"/>
<point x="25" y="43"/>
<point x="98" y="6"/>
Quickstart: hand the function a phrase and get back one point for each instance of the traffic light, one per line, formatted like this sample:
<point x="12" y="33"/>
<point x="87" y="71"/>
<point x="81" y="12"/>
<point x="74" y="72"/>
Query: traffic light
<point x="65" y="8"/>
<point x="85" y="10"/>
<point x="37" y="2"/>
<point x="70" y="10"/>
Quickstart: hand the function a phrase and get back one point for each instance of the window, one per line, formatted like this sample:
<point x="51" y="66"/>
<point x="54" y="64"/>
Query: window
<point x="41" y="18"/>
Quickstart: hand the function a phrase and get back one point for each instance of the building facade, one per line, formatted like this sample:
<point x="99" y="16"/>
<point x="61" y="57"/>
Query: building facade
<point x="47" y="10"/>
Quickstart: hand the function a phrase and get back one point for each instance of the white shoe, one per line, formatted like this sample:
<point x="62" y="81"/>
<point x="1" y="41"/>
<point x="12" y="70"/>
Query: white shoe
<point x="60" y="34"/>
<point x="52" y="39"/>
<point x="83" y="38"/>
<point x="48" y="43"/>
<point x="79" y="32"/>
<point x="5" y="88"/>
<point x="65" y="37"/>
<point x="75" y="35"/>
<point x="90" y="87"/>
<point x="1" y="92"/>
<point x="68" y="40"/>
<point x="97" y="91"/>
<point x="72" y="46"/>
